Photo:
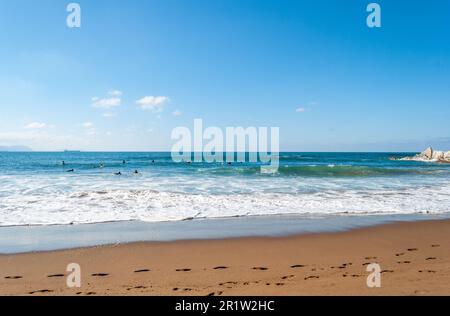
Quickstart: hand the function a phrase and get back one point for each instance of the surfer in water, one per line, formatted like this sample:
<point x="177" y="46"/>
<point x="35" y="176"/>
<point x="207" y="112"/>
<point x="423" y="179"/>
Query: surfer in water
<point x="136" y="172"/>
<point x="118" y="173"/>
<point x="71" y="170"/>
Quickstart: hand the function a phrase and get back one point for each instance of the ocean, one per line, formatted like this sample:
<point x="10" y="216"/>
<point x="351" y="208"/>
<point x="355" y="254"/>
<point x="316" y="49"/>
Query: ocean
<point x="36" y="188"/>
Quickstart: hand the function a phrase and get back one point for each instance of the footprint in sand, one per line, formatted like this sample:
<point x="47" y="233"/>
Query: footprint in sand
<point x="366" y="263"/>
<point x="136" y="287"/>
<point x="312" y="277"/>
<point x="431" y="258"/>
<point x="183" y="270"/>
<point x="370" y="258"/>
<point x="287" y="277"/>
<point x="387" y="271"/>
<point x="220" y="268"/>
<point x="142" y="271"/>
<point x="56" y="276"/>
<point x="214" y="293"/>
<point x="427" y="271"/>
<point x="435" y="245"/>
<point x="339" y="267"/>
<point x="412" y="249"/>
<point x="298" y="266"/>
<point x="15" y="277"/>
<point x="403" y="262"/>
<point x="227" y="283"/>
<point x="260" y="268"/>
<point x="100" y="274"/>
<point x="279" y="284"/>
<point x="399" y="254"/>
<point x="41" y="291"/>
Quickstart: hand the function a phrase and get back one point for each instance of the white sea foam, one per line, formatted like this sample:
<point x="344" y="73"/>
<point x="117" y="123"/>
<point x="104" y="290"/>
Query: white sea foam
<point x="28" y="203"/>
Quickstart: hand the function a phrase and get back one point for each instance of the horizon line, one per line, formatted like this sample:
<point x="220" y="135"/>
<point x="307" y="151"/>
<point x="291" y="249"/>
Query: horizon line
<point x="165" y="151"/>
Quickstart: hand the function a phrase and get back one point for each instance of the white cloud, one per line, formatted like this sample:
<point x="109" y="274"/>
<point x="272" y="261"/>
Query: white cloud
<point x="109" y="114"/>
<point x="90" y="130"/>
<point x="307" y="108"/>
<point x="35" y="125"/>
<point x="177" y="113"/>
<point x="151" y="103"/>
<point x="106" y="103"/>
<point x="88" y="124"/>
<point x="115" y="93"/>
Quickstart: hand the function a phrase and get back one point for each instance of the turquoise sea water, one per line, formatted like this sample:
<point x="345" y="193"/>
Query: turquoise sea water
<point x="37" y="189"/>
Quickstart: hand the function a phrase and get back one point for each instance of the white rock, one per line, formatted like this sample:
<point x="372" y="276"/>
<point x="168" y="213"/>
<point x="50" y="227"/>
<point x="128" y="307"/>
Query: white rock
<point x="446" y="157"/>
<point x="427" y="153"/>
<point x="437" y="155"/>
<point x="430" y="155"/>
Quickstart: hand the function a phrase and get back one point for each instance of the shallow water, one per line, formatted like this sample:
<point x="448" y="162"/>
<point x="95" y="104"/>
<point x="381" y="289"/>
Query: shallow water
<point x="21" y="239"/>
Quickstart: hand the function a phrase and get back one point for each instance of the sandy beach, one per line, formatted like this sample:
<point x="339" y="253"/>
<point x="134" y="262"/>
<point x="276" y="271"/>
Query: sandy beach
<point x="414" y="258"/>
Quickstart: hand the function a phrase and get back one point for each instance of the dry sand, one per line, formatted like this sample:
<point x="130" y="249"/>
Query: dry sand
<point x="414" y="257"/>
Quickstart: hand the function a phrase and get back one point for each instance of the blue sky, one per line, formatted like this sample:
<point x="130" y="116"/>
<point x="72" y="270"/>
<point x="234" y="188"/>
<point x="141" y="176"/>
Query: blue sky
<point x="312" y="68"/>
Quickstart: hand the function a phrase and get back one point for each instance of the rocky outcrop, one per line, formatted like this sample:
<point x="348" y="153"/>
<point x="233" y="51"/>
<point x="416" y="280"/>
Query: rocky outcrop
<point x="447" y="156"/>
<point x="430" y="155"/>
<point x="427" y="153"/>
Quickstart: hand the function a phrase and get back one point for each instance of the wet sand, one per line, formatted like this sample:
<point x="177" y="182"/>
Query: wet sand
<point x="414" y="258"/>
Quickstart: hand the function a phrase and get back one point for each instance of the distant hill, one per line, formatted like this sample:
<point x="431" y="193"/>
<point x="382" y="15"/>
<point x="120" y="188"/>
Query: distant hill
<point x="15" y="148"/>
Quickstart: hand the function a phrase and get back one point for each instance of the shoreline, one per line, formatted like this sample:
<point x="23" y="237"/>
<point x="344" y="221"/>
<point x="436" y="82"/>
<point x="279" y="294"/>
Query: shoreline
<point x="414" y="257"/>
<point x="35" y="239"/>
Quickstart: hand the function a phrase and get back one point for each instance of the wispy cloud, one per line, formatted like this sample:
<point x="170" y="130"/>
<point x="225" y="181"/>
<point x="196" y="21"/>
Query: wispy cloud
<point x="106" y="103"/>
<point x="306" y="108"/>
<point x="35" y="125"/>
<point x="109" y="114"/>
<point x="177" y="113"/>
<point x="88" y="124"/>
<point x="152" y="103"/>
<point x="41" y="139"/>
<point x="89" y="128"/>
<point x="115" y="93"/>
